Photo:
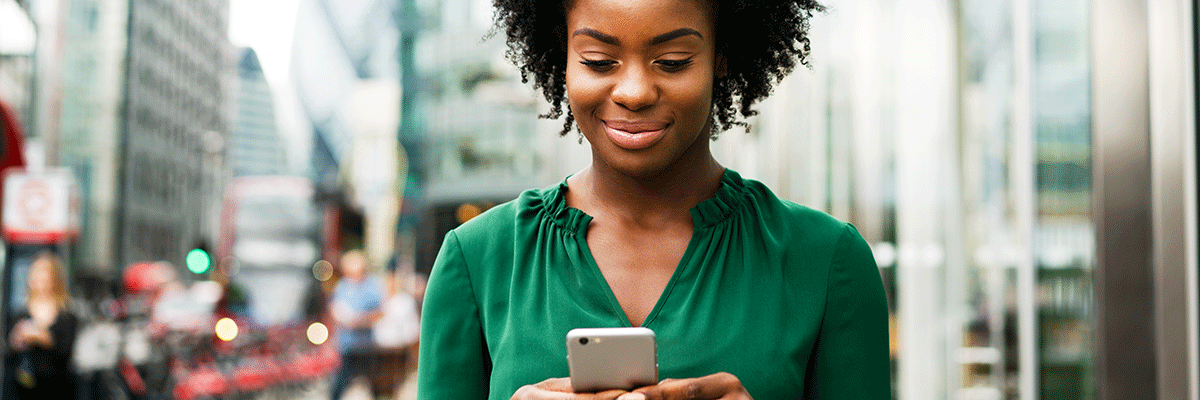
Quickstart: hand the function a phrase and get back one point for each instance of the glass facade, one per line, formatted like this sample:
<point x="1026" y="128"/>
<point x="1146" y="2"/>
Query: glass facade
<point x="479" y="116"/>
<point x="1064" y="235"/>
<point x="956" y="136"/>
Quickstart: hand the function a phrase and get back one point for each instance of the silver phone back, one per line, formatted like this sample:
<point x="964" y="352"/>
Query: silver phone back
<point x="612" y="358"/>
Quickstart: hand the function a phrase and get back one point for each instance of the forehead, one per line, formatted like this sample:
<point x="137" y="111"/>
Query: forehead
<point x="39" y="269"/>
<point x="40" y="265"/>
<point x="625" y="17"/>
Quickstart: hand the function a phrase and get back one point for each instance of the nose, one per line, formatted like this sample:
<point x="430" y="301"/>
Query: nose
<point x="635" y="89"/>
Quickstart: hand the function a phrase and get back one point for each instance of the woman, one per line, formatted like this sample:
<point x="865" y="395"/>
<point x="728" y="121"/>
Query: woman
<point x="750" y="295"/>
<point x="43" y="337"/>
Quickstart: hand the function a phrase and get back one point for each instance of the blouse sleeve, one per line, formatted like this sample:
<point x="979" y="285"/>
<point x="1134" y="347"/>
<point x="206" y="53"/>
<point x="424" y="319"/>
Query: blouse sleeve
<point x="850" y="359"/>
<point x="453" y="359"/>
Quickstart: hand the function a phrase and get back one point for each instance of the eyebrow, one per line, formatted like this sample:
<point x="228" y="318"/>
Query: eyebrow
<point x="675" y="34"/>
<point x="660" y="39"/>
<point x="602" y="37"/>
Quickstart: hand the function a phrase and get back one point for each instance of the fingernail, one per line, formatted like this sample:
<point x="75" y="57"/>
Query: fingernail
<point x="632" y="396"/>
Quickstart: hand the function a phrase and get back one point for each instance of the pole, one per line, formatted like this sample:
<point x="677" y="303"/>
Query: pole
<point x="411" y="131"/>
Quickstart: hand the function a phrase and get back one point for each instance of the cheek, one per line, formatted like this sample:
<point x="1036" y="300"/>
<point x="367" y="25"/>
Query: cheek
<point x="693" y="97"/>
<point x="583" y="92"/>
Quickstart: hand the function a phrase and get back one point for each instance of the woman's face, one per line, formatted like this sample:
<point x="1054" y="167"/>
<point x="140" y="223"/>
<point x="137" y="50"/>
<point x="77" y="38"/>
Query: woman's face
<point x="639" y="80"/>
<point x="41" y="279"/>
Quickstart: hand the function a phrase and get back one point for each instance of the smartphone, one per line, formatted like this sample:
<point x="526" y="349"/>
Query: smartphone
<point x="612" y="358"/>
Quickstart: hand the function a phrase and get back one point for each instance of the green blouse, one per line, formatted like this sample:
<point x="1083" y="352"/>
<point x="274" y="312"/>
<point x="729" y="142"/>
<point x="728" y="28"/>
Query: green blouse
<point x="786" y="298"/>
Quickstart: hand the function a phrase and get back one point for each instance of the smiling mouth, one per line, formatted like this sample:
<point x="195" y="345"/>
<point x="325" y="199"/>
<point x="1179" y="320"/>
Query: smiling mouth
<point x="635" y="135"/>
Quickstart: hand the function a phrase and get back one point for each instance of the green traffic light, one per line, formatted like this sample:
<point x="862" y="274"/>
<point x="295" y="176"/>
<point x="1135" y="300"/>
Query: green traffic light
<point x="198" y="261"/>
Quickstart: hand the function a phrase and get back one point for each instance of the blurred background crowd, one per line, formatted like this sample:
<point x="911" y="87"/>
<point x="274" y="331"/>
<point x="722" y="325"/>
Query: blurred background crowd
<point x="242" y="198"/>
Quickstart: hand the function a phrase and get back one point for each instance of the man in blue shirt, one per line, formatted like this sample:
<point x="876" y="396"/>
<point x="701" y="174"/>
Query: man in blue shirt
<point x="356" y="305"/>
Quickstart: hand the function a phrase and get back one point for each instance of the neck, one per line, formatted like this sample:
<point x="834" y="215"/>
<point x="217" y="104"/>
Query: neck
<point x="676" y="189"/>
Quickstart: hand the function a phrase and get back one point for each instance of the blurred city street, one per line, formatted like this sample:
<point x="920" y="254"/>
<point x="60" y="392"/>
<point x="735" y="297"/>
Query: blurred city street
<point x="244" y="198"/>
<point x="357" y="391"/>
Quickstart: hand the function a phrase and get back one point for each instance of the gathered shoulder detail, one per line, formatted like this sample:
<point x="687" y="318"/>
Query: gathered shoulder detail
<point x="731" y="196"/>
<point x="551" y="206"/>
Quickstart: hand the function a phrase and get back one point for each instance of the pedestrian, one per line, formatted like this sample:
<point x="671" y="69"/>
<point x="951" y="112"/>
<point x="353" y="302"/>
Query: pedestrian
<point x="396" y="333"/>
<point x="400" y="324"/>
<point x="41" y="337"/>
<point x="750" y="295"/>
<point x="356" y="306"/>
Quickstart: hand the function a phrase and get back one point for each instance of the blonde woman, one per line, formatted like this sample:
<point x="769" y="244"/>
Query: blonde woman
<point x="43" y="334"/>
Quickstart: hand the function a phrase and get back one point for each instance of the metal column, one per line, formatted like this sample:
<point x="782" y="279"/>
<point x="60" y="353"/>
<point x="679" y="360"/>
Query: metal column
<point x="1172" y="136"/>
<point x="1145" y="199"/>
<point x="1125" y="359"/>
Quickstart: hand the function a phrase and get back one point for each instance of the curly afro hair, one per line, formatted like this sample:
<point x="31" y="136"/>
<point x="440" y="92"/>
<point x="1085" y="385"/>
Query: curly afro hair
<point x="761" y="42"/>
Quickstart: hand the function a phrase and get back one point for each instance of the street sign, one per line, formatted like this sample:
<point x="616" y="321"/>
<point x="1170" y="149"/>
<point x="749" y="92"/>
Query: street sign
<point x="39" y="207"/>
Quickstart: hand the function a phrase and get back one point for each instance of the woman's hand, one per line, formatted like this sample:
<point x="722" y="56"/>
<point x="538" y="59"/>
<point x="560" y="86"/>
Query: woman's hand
<point x="28" y="333"/>
<point x="560" y="389"/>
<point x="721" y="385"/>
<point x="17" y="340"/>
<point x="39" y="336"/>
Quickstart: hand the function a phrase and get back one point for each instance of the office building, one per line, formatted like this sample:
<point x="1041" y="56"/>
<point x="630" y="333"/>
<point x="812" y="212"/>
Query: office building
<point x="254" y="145"/>
<point x="176" y="122"/>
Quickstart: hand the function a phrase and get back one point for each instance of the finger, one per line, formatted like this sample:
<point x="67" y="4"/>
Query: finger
<point x="606" y="395"/>
<point x="560" y="389"/>
<point x="550" y="389"/>
<point x="639" y="393"/>
<point x="715" y="386"/>
<point x="556" y="385"/>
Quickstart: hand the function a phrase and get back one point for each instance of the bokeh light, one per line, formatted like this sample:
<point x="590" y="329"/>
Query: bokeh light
<point x="226" y="329"/>
<point x="323" y="270"/>
<point x="318" y="333"/>
<point x="467" y="211"/>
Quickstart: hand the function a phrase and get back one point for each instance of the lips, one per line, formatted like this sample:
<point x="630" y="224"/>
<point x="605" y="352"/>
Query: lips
<point x="634" y="135"/>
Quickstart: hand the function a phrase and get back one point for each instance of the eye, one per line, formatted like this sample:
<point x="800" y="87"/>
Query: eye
<point x="599" y="65"/>
<point x="673" y="65"/>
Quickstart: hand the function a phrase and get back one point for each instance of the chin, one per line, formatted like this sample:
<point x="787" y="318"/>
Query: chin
<point x="643" y="168"/>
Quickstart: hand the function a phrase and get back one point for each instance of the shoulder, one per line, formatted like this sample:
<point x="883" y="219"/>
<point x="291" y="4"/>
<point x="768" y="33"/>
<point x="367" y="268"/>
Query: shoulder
<point x="798" y="231"/>
<point x="66" y="317"/>
<point x="786" y="219"/>
<point x="501" y="224"/>
<point x="65" y="314"/>
<point x="814" y="241"/>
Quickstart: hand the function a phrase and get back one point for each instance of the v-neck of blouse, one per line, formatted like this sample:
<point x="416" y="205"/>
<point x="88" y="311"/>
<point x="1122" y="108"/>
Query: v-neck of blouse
<point x="575" y="222"/>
